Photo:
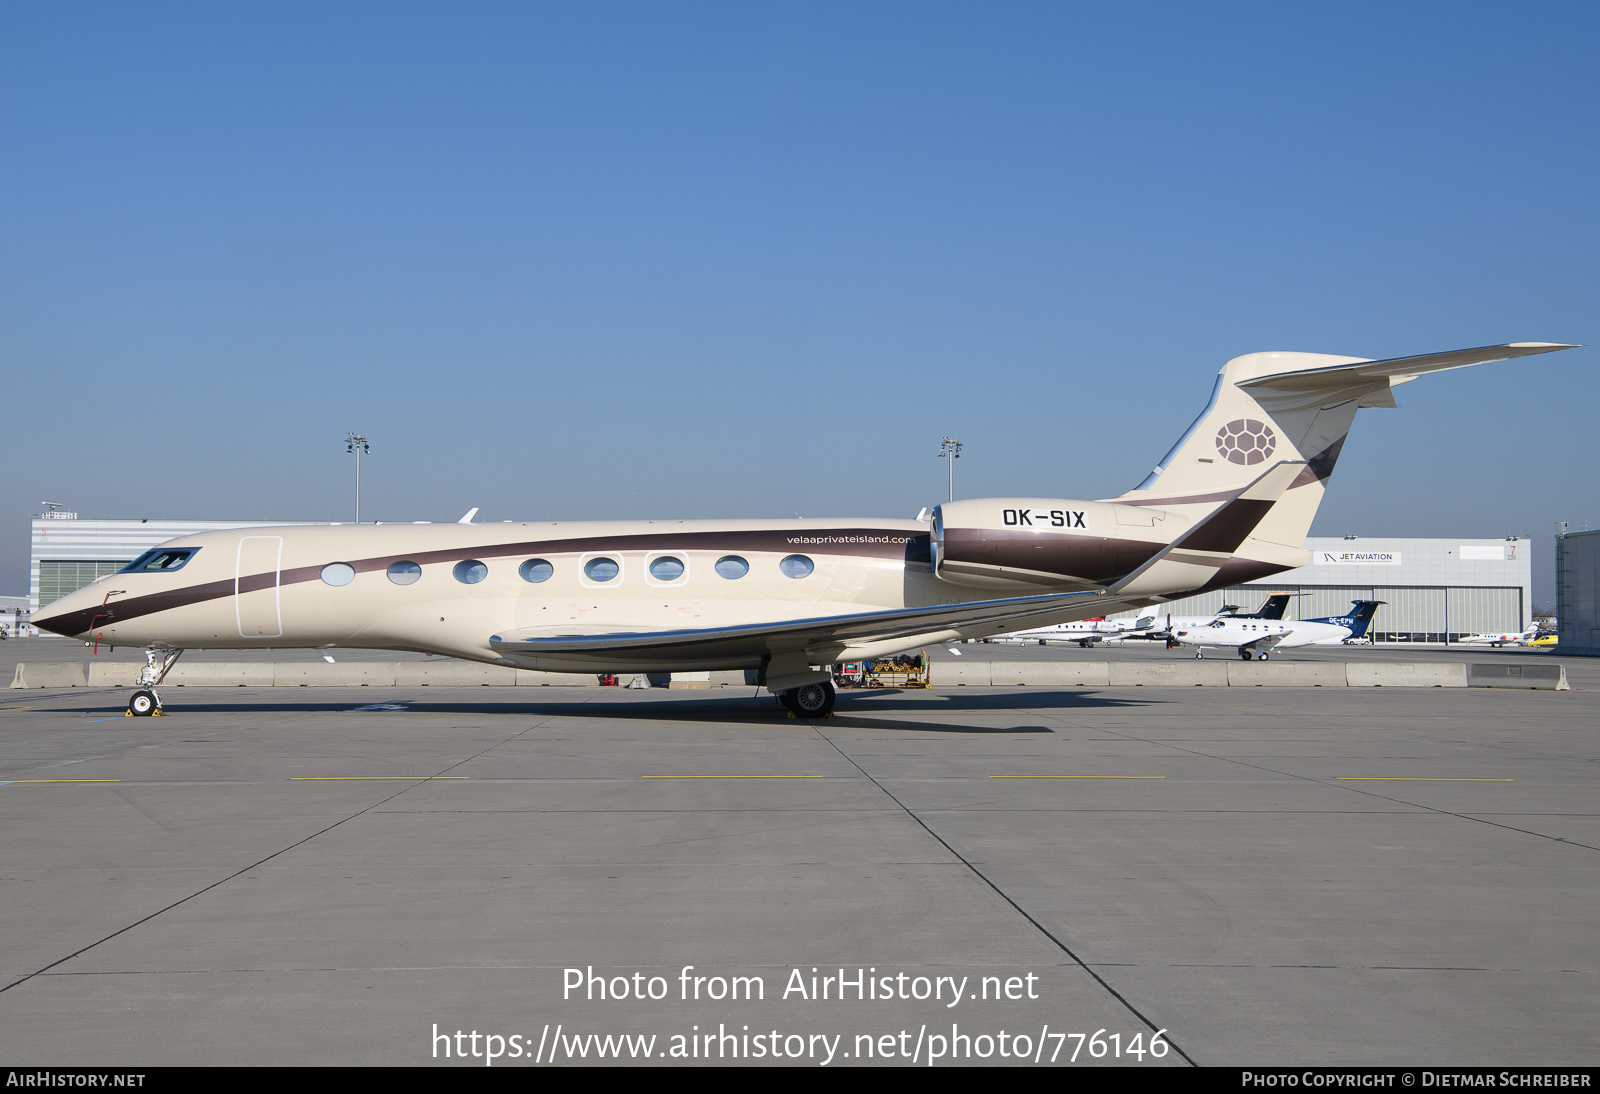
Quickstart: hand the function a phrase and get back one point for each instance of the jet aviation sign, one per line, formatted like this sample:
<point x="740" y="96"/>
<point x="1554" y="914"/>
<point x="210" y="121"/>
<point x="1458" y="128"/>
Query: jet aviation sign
<point x="1357" y="558"/>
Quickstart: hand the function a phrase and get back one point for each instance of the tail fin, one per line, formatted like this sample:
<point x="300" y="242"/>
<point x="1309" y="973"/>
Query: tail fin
<point x="1275" y="606"/>
<point x="1268" y="407"/>
<point x="1360" y="617"/>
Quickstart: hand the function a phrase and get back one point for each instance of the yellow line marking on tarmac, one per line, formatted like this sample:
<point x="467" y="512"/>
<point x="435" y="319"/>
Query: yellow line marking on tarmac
<point x="371" y="778"/>
<point x="1407" y="779"/>
<point x="730" y="776"/>
<point x="1077" y="776"/>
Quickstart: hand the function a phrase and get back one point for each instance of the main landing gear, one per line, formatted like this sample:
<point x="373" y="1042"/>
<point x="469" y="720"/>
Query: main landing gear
<point x="809" y="700"/>
<point x="1244" y="655"/>
<point x="145" y="703"/>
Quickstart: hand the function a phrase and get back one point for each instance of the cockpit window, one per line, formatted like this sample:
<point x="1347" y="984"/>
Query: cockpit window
<point x="160" y="560"/>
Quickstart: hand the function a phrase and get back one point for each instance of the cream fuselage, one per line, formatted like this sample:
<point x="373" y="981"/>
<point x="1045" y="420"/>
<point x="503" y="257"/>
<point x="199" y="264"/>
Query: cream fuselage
<point x="264" y="588"/>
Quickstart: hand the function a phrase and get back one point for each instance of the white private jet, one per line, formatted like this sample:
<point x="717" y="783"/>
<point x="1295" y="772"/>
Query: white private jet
<point x="1259" y="637"/>
<point x="1499" y="640"/>
<point x="1085" y="633"/>
<point x="1232" y="501"/>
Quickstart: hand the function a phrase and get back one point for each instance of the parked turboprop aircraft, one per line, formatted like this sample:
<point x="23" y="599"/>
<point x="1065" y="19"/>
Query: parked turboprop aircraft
<point x="1259" y="637"/>
<point x="1498" y="640"/>
<point x="1163" y="626"/>
<point x="1231" y="502"/>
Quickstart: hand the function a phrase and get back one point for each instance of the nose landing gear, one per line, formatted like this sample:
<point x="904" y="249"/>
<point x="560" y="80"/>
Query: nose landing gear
<point x="145" y="703"/>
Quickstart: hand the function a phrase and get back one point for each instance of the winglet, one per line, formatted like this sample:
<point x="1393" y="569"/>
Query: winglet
<point x="470" y="514"/>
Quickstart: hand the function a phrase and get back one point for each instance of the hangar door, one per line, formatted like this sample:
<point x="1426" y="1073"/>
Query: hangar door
<point x="1484" y="610"/>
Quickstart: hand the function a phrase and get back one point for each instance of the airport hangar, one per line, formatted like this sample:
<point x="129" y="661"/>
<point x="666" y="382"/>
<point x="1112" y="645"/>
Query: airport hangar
<point x="1434" y="590"/>
<point x="1578" y="592"/>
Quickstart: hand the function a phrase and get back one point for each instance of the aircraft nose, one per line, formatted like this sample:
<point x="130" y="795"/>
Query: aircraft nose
<point x="70" y="616"/>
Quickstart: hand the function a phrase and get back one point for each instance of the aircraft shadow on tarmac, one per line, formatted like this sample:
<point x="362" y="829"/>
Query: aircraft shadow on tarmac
<point x="855" y="710"/>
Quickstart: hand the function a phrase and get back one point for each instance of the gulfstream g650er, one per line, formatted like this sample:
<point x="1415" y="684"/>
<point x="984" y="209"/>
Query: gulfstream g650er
<point x="1232" y="501"/>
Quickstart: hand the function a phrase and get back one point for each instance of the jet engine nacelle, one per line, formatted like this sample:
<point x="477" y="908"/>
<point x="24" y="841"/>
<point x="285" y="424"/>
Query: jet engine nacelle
<point x="1040" y="543"/>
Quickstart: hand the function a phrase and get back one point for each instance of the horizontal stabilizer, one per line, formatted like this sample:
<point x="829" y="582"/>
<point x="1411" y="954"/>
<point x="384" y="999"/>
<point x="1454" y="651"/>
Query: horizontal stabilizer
<point x="1397" y="369"/>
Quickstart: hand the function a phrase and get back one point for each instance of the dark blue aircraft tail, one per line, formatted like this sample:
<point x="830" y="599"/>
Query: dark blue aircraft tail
<point x="1274" y="608"/>
<point x="1358" y="618"/>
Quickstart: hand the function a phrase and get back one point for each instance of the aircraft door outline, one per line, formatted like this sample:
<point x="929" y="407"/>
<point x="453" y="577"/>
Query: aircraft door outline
<point x="254" y="554"/>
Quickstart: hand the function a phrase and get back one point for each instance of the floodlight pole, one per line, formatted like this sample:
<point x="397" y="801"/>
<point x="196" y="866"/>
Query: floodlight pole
<point x="951" y="448"/>
<point x="355" y="442"/>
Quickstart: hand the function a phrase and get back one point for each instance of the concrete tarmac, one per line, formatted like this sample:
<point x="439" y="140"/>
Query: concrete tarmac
<point x="344" y="875"/>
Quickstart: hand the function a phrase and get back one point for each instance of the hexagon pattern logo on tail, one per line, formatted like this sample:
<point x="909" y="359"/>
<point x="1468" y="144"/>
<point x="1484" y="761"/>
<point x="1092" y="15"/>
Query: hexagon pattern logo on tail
<point x="1246" y="441"/>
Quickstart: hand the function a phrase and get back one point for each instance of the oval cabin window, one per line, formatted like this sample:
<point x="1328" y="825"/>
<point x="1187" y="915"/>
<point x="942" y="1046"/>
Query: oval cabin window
<point x="796" y="566"/>
<point x="666" y="568"/>
<point x="405" y="573"/>
<point x="338" y="573"/>
<point x="536" y="570"/>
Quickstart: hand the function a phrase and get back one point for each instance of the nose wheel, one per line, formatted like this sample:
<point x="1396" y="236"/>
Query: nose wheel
<point x="809" y="700"/>
<point x="144" y="703"/>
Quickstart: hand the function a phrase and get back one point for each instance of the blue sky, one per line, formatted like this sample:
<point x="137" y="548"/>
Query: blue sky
<point x="646" y="260"/>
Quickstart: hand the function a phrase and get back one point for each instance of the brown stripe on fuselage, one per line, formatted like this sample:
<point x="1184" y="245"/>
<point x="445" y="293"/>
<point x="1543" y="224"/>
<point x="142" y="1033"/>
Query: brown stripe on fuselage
<point x="1228" y="527"/>
<point x="1236" y="571"/>
<point x="1094" y="559"/>
<point x="881" y="543"/>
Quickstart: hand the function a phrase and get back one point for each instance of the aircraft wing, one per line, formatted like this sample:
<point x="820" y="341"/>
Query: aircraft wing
<point x="856" y="628"/>
<point x="1398" y="370"/>
<point x="1187" y="562"/>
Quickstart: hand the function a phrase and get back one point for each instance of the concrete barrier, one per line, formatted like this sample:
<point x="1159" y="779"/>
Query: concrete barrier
<point x="528" y="678"/>
<point x="1380" y="674"/>
<point x="1286" y="674"/>
<point x="690" y="680"/>
<point x="1055" y="673"/>
<point x="1187" y="673"/>
<point x="114" y="674"/>
<point x="219" y="674"/>
<point x="451" y="674"/>
<point x="734" y="678"/>
<point x="953" y="674"/>
<point x="67" y="674"/>
<point x="346" y="674"/>
<point x="1542" y="677"/>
